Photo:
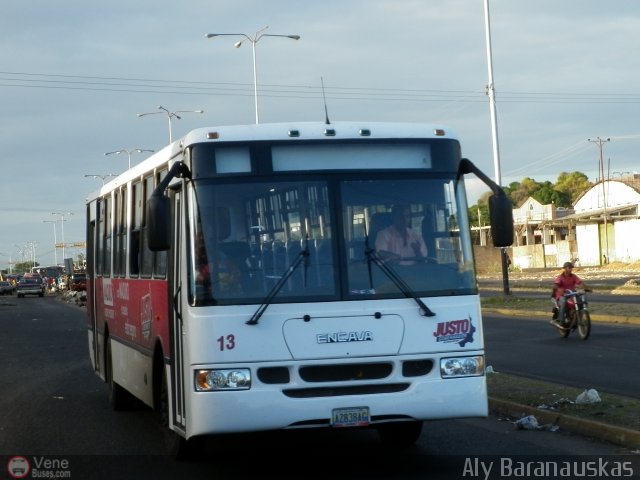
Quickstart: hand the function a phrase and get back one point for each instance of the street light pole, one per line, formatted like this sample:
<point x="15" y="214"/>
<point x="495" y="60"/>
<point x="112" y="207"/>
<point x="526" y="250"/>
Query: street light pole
<point x="129" y="152"/>
<point x="55" y="240"/>
<point x="253" y="39"/>
<point x="62" y="220"/>
<point x="494" y="137"/>
<point x="169" y="115"/>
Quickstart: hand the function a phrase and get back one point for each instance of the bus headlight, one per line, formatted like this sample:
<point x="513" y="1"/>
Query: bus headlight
<point x="462" y="366"/>
<point x="231" y="379"/>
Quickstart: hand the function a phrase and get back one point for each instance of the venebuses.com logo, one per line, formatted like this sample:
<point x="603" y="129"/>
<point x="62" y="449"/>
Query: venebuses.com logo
<point x="20" y="466"/>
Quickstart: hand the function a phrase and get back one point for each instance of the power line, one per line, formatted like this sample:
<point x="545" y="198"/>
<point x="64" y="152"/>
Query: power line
<point x="186" y="87"/>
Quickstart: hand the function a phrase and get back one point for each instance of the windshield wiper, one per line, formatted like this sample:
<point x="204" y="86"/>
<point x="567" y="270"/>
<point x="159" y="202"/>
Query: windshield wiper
<point x="372" y="256"/>
<point x="303" y="255"/>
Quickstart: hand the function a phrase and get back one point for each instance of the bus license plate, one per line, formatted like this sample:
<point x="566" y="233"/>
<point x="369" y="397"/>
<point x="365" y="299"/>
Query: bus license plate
<point x="350" y="417"/>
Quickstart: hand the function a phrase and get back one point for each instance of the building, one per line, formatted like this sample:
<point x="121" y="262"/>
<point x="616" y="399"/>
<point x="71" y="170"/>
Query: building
<point x="542" y="237"/>
<point x="603" y="226"/>
<point x="607" y="222"/>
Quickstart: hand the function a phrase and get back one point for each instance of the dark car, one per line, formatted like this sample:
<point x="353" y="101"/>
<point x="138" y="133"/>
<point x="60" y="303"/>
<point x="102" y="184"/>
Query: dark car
<point x="6" y="288"/>
<point x="30" y="286"/>
<point x="78" y="282"/>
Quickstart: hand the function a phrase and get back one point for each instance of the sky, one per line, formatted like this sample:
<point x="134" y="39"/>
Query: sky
<point x="75" y="74"/>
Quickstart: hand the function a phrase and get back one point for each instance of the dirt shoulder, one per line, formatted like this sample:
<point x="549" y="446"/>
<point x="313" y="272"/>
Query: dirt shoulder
<point x="614" y="279"/>
<point x="606" y="417"/>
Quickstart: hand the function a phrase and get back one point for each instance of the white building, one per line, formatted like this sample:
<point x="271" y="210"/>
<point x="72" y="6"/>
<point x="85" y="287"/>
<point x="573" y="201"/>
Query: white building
<point x="542" y="238"/>
<point x="603" y="226"/>
<point x="607" y="222"/>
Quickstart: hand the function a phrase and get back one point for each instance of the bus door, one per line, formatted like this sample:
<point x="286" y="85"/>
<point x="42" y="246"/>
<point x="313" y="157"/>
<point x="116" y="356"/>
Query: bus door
<point x="177" y="291"/>
<point x="91" y="301"/>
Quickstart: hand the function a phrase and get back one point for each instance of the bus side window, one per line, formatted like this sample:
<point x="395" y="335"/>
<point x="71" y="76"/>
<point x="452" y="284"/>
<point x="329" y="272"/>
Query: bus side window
<point x="136" y="208"/>
<point x="147" y="260"/>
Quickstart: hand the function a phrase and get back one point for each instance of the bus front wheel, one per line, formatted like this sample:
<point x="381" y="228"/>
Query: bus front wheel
<point x="177" y="446"/>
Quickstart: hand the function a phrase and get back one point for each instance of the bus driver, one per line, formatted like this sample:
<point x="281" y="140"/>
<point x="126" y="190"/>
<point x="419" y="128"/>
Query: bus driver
<point x="399" y="241"/>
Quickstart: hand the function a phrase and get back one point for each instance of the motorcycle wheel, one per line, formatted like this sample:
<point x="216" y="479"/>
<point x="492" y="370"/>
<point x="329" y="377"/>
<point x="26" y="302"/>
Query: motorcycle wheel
<point x="584" y="324"/>
<point x="564" y="332"/>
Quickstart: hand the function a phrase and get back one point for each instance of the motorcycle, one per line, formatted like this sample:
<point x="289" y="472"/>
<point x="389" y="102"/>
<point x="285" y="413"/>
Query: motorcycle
<point x="576" y="314"/>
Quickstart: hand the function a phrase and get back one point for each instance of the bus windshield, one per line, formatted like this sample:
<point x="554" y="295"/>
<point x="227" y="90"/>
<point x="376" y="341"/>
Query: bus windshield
<point x="246" y="236"/>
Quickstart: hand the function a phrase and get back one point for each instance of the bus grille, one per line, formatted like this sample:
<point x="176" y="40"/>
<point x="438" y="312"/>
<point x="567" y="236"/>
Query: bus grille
<point x="343" y="391"/>
<point x="345" y="373"/>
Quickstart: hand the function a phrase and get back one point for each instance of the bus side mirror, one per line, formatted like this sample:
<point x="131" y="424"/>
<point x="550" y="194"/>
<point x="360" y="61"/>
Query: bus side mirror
<point x="159" y="223"/>
<point x="501" y="216"/>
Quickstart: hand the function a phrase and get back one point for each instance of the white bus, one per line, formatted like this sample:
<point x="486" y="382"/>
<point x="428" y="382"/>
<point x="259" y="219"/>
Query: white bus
<point x="237" y="280"/>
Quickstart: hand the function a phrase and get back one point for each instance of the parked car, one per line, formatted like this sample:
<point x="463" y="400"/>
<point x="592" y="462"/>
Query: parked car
<point x="30" y="286"/>
<point x="6" y="288"/>
<point x="78" y="282"/>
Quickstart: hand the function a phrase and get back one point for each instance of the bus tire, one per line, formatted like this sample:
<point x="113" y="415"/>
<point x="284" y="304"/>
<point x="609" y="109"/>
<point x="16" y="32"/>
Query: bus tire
<point x="119" y="398"/>
<point x="400" y="434"/>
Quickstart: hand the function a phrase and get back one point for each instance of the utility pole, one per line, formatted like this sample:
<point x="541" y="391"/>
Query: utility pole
<point x="600" y="143"/>
<point x="494" y="137"/>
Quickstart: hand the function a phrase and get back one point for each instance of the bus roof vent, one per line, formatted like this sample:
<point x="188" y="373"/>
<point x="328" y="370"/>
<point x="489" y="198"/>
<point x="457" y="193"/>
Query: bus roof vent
<point x="294" y="133"/>
<point x="329" y="132"/>
<point x="364" y="132"/>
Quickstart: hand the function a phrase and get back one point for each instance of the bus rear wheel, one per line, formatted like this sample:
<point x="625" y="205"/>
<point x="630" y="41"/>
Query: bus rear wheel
<point x="400" y="434"/>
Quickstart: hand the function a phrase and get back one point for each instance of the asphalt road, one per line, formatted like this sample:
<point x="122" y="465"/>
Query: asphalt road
<point x="530" y="347"/>
<point x="53" y="407"/>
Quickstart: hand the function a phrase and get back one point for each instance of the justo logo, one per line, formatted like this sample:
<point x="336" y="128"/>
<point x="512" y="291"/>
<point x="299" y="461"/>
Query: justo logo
<point x="18" y="467"/>
<point x="455" y="331"/>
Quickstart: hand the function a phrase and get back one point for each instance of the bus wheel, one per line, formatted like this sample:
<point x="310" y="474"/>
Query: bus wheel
<point x="400" y="434"/>
<point x="177" y="446"/>
<point x="119" y="398"/>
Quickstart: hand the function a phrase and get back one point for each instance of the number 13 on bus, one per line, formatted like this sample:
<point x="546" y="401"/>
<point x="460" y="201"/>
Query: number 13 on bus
<point x="281" y="276"/>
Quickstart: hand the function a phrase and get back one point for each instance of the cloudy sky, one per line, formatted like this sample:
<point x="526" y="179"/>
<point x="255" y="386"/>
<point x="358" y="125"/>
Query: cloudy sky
<point x="74" y="74"/>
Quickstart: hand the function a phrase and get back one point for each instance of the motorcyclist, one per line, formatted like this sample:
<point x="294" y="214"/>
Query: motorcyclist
<point x="567" y="280"/>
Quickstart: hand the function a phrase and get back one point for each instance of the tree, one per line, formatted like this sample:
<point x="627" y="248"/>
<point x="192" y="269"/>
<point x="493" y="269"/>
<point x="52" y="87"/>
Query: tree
<point x="23" y="267"/>
<point x="547" y="194"/>
<point x="479" y="213"/>
<point x="573" y="185"/>
<point x="518" y="192"/>
<point x="563" y="193"/>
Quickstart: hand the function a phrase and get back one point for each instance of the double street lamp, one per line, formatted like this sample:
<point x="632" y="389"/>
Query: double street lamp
<point x="62" y="220"/>
<point x="170" y="115"/>
<point x="102" y="177"/>
<point x="55" y="240"/>
<point x="128" y="152"/>
<point x="253" y="39"/>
